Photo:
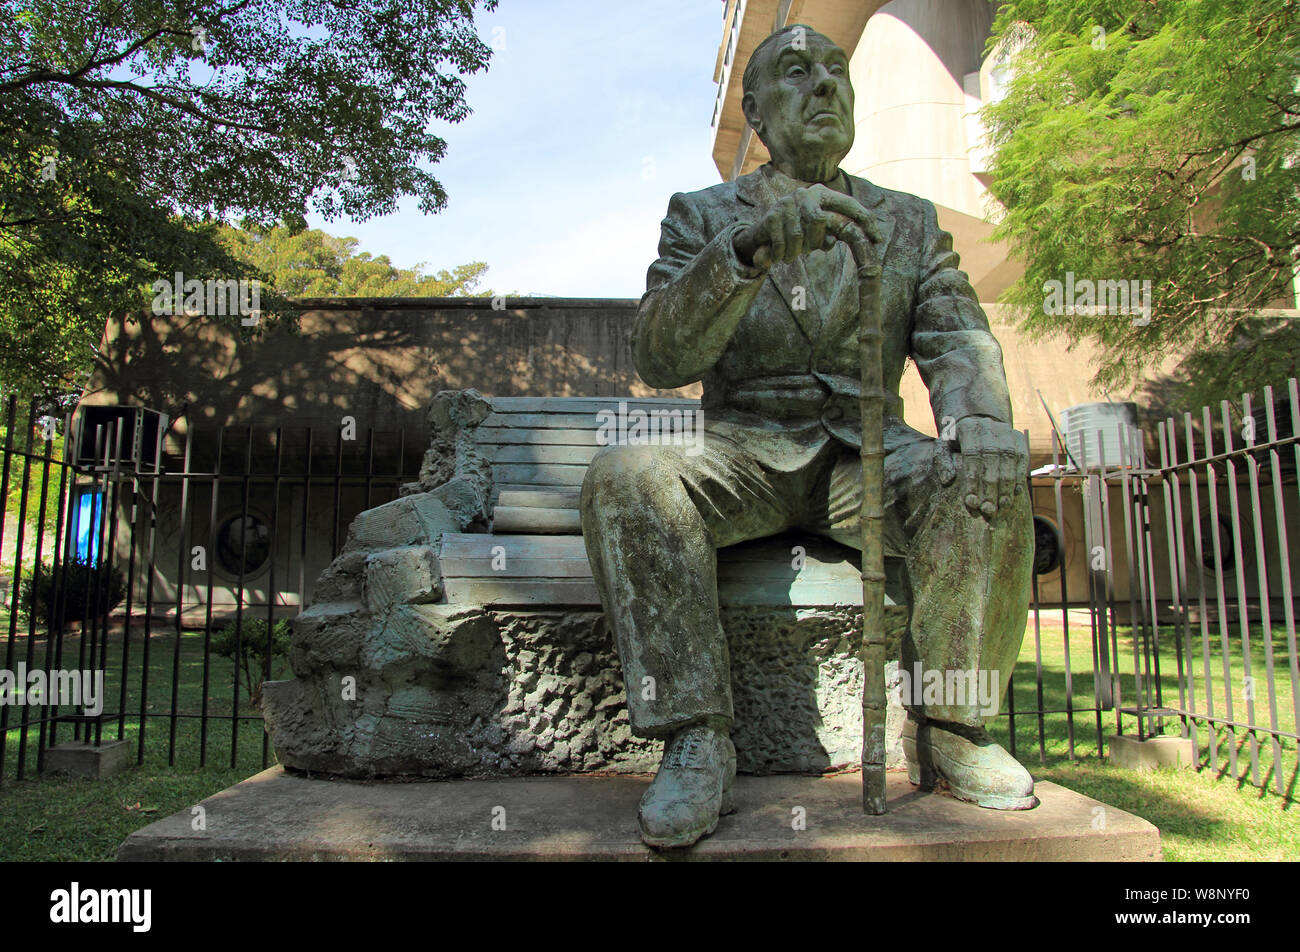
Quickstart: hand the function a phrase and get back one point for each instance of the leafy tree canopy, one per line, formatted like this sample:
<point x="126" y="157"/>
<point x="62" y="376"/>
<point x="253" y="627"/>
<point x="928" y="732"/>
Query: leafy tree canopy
<point x="313" y="263"/>
<point x="1156" y="141"/>
<point x="131" y="131"/>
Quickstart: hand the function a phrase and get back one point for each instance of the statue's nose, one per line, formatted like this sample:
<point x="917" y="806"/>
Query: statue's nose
<point x="823" y="81"/>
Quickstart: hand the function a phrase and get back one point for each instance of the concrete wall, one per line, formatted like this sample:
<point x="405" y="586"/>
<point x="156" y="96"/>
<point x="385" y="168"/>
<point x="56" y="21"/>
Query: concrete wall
<point x="376" y="360"/>
<point x="380" y="361"/>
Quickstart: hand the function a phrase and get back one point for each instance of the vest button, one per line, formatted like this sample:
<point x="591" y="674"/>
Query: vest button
<point x="834" y="413"/>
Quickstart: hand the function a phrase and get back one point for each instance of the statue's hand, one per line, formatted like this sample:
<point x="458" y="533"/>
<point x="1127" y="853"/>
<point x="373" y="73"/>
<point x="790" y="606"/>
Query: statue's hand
<point x="995" y="460"/>
<point x="808" y="219"/>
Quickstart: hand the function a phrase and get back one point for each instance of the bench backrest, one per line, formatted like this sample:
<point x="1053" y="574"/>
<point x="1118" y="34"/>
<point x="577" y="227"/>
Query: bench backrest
<point x="541" y="448"/>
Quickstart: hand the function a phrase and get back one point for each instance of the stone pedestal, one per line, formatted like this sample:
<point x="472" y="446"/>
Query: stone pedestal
<point x="1125" y="750"/>
<point x="77" y="759"/>
<point x="517" y="692"/>
<point x="278" y="816"/>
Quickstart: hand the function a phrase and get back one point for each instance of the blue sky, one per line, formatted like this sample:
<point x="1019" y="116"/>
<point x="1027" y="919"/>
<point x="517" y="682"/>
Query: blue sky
<point x="590" y="116"/>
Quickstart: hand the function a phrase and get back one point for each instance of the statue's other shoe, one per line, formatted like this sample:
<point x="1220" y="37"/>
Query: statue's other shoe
<point x="691" y="789"/>
<point x="975" y="768"/>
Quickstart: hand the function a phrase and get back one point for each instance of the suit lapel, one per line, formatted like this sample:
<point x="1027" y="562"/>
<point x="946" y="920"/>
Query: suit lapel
<point x="841" y="321"/>
<point x="872" y="197"/>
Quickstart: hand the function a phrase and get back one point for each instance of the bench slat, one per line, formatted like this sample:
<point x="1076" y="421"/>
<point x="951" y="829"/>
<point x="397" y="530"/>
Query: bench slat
<point x="539" y="474"/>
<point x="585" y="404"/>
<point x="549" y="421"/>
<point x="503" y="487"/>
<point x="740" y="575"/>
<point x="529" y="592"/>
<point x="541" y="520"/>
<point x="509" y="436"/>
<point x="477" y="545"/>
<point x="764" y="558"/>
<point x="534" y="453"/>
<point x="540" y="498"/>
<point x="518" y="568"/>
<point x="556" y="592"/>
<point x="577" y="418"/>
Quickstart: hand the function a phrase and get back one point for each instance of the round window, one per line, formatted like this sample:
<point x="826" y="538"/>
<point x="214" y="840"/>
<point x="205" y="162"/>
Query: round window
<point x="243" y="544"/>
<point x="1047" y="546"/>
<point x="1227" y="555"/>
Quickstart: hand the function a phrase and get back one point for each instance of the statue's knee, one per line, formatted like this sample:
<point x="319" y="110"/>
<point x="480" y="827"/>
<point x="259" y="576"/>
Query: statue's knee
<point x="616" y="470"/>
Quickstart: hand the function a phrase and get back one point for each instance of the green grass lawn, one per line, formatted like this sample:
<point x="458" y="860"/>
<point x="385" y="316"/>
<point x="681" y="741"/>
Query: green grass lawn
<point x="1212" y="814"/>
<point x="50" y="818"/>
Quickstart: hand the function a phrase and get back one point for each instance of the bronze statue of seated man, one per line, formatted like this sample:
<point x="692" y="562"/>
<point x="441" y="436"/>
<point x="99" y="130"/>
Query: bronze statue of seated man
<point x="754" y="294"/>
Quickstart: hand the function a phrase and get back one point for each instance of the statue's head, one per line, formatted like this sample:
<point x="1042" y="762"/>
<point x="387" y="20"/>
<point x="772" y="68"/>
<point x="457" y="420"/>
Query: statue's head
<point x="797" y="96"/>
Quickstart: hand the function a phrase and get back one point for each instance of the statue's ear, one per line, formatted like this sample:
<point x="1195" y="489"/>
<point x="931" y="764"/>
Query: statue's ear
<point x="749" y="105"/>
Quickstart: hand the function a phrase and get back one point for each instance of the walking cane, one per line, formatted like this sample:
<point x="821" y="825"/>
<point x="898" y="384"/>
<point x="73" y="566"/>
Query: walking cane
<point x="871" y="519"/>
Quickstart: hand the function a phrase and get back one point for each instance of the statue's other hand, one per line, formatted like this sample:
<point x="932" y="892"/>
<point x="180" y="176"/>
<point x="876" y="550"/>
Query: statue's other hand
<point x="808" y="219"/>
<point x="995" y="461"/>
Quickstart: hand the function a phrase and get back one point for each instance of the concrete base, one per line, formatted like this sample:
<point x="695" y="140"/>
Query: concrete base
<point x="86" y="760"/>
<point x="1125" y="750"/>
<point x="280" y="816"/>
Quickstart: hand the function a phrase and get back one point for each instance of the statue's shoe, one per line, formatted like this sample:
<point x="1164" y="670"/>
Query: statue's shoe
<point x="691" y="790"/>
<point x="975" y="768"/>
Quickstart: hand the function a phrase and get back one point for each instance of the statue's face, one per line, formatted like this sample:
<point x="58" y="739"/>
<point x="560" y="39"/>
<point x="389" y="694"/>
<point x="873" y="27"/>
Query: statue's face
<point x="802" y="99"/>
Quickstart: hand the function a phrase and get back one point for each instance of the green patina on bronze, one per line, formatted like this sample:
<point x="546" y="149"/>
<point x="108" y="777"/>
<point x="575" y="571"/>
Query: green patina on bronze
<point x="758" y="293"/>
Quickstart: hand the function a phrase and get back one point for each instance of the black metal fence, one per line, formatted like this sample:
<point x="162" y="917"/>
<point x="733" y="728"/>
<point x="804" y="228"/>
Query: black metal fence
<point x="217" y="536"/>
<point x="158" y="566"/>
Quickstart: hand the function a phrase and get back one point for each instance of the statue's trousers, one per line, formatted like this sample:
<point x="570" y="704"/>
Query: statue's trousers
<point x="653" y="517"/>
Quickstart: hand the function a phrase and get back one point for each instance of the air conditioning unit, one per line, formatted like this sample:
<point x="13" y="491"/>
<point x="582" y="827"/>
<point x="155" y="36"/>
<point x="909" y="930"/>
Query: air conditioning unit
<point x="1082" y="426"/>
<point x="109" y="436"/>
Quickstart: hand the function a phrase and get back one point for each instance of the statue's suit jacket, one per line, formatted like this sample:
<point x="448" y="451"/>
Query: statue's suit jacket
<point x="777" y="350"/>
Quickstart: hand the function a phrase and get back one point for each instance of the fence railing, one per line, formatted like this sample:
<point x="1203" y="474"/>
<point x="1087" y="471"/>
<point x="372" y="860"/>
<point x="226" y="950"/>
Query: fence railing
<point x="211" y="539"/>
<point x="153" y="585"/>
<point x="1254" y="463"/>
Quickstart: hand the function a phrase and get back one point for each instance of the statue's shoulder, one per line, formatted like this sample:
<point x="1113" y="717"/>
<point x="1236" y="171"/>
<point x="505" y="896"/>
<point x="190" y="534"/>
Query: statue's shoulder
<point x="903" y="204"/>
<point x="721" y="195"/>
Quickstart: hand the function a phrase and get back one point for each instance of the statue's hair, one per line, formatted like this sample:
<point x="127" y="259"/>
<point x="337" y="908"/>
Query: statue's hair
<point x="756" y="59"/>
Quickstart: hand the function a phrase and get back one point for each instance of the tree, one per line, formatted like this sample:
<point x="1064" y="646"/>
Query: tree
<point x="131" y="129"/>
<point x="1155" y="141"/>
<point x="313" y="263"/>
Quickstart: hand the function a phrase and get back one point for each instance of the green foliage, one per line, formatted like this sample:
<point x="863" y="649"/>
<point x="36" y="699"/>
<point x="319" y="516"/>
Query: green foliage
<point x="13" y="501"/>
<point x="313" y="263"/>
<point x="246" y="645"/>
<point x="130" y="131"/>
<point x="85" y="591"/>
<point x="1156" y="141"/>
